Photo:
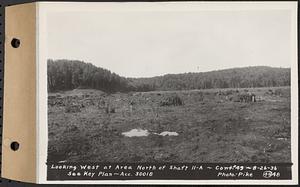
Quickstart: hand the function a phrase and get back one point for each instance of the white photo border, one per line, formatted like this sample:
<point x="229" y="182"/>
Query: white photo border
<point x="43" y="8"/>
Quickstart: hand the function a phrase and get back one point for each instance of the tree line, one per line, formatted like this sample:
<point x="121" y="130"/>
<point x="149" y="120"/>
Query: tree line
<point x="68" y="75"/>
<point x="71" y="74"/>
<point x="258" y="76"/>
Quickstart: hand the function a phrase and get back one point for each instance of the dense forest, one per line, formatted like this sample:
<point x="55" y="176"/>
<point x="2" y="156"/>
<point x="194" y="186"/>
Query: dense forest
<point x="258" y="76"/>
<point x="71" y="74"/>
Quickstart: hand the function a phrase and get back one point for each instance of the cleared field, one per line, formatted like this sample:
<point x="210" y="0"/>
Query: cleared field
<point x="210" y="125"/>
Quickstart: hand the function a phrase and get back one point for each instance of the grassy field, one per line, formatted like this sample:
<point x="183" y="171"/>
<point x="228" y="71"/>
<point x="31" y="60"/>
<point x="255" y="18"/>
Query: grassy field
<point x="212" y="126"/>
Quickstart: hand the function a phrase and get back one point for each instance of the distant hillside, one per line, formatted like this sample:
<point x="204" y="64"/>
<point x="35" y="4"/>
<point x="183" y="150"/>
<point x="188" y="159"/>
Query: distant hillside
<point x="258" y="76"/>
<point x="70" y="74"/>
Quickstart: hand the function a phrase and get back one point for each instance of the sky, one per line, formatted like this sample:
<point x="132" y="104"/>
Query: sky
<point x="153" y="43"/>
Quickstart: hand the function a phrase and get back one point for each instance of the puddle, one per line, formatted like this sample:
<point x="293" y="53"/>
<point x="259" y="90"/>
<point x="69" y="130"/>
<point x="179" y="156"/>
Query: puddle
<point x="285" y="139"/>
<point x="136" y="132"/>
<point x="62" y="161"/>
<point x="141" y="132"/>
<point x="167" y="133"/>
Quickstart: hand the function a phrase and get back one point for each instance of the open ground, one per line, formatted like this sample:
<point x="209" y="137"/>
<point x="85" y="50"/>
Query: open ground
<point x="213" y="125"/>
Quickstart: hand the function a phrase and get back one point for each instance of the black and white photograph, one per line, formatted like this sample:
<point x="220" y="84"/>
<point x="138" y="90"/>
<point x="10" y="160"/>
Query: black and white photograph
<point x="169" y="85"/>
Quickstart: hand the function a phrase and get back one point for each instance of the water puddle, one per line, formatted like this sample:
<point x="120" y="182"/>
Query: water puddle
<point x="167" y="133"/>
<point x="62" y="161"/>
<point x="141" y="132"/>
<point x="136" y="132"/>
<point x="285" y="139"/>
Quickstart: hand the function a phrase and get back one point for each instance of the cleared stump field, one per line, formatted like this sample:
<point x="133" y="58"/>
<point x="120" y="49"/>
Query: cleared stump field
<point x="176" y="126"/>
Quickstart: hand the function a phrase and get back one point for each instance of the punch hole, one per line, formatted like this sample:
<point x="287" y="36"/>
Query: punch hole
<point x="14" y="146"/>
<point x="15" y="43"/>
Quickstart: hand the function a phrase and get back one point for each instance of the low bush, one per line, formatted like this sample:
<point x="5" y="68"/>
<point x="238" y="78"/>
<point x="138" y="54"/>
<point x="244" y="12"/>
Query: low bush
<point x="174" y="100"/>
<point x="73" y="108"/>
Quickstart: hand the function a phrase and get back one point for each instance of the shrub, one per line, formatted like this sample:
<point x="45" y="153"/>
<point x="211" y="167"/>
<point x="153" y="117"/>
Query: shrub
<point x="247" y="97"/>
<point x="278" y="92"/>
<point x="71" y="108"/>
<point x="109" y="110"/>
<point x="201" y="96"/>
<point x="174" y="100"/>
<point x="269" y="92"/>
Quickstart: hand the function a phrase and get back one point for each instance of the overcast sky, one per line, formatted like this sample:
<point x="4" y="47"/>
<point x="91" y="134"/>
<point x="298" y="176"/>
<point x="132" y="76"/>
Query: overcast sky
<point x="152" y="43"/>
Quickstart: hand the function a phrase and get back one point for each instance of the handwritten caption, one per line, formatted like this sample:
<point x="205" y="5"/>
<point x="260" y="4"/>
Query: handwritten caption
<point x="69" y="171"/>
